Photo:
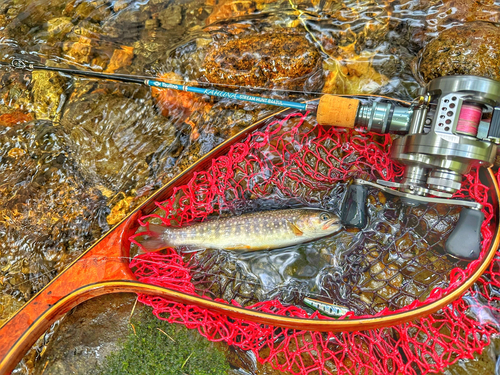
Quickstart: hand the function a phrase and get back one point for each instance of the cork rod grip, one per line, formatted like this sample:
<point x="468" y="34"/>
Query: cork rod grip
<point x="337" y="111"/>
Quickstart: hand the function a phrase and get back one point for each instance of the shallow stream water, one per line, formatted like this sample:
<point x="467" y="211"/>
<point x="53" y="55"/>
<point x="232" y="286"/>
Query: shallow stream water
<point x="78" y="154"/>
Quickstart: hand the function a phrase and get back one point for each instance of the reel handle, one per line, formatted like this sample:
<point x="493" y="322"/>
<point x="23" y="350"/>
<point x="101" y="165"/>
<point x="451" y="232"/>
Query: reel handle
<point x="337" y="111"/>
<point x="465" y="240"/>
<point x="354" y="207"/>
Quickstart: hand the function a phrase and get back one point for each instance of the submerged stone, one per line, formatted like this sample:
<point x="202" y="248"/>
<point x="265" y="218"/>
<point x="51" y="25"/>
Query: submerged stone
<point x="277" y="59"/>
<point x="48" y="93"/>
<point x="170" y="17"/>
<point x="229" y="9"/>
<point x="113" y="137"/>
<point x="54" y="213"/>
<point x="92" y="330"/>
<point x="462" y="11"/>
<point x="59" y="26"/>
<point x="472" y="48"/>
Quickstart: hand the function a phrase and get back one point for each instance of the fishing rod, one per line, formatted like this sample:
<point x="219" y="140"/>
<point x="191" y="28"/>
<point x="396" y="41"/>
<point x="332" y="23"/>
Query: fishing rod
<point x="332" y="110"/>
<point x="152" y="82"/>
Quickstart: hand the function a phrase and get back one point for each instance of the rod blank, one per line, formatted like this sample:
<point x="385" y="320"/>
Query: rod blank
<point x="19" y="64"/>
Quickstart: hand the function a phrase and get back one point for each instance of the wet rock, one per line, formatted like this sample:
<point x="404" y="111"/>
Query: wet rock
<point x="80" y="52"/>
<point x="177" y="103"/>
<point x="96" y="10"/>
<point x="153" y="48"/>
<point x="195" y="14"/>
<point x="86" y="29"/>
<point x="120" y="5"/>
<point x="122" y="57"/>
<point x="53" y="213"/>
<point x="132" y="15"/>
<point x="151" y="24"/>
<point x="352" y="74"/>
<point x="230" y="9"/>
<point x="170" y="17"/>
<point x="48" y="93"/>
<point x="113" y="136"/>
<point x="462" y="11"/>
<point x="277" y="59"/>
<point x="472" y="48"/>
<point x="14" y="118"/>
<point x="34" y="14"/>
<point x="119" y="211"/>
<point x="8" y="306"/>
<point x="15" y="93"/>
<point x="126" y="24"/>
<point x="369" y="23"/>
<point x="484" y="363"/>
<point x="87" y="334"/>
<point x="57" y="27"/>
<point x="112" y="29"/>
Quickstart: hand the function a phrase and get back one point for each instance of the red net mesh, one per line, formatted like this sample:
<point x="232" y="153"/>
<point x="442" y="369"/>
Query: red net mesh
<point x="395" y="265"/>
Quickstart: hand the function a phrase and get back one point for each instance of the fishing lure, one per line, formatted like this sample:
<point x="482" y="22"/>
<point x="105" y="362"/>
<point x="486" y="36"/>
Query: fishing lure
<point x="329" y="309"/>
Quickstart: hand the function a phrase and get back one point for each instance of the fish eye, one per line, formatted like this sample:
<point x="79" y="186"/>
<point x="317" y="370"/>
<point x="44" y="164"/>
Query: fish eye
<point x="324" y="216"/>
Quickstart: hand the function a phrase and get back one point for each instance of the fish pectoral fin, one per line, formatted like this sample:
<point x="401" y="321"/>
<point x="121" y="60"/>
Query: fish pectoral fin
<point x="295" y="229"/>
<point x="239" y="247"/>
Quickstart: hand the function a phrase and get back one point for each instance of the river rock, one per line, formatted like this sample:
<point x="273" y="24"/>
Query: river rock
<point x="170" y="17"/>
<point x="120" y="5"/>
<point x="87" y="334"/>
<point x="48" y="93"/>
<point x="472" y="48"/>
<point x="132" y="15"/>
<point x="230" y="9"/>
<point x="196" y="13"/>
<point x="54" y="213"/>
<point x="96" y="10"/>
<point x="112" y="137"/>
<point x="450" y="11"/>
<point x="276" y="59"/>
<point x="59" y="26"/>
<point x="484" y="363"/>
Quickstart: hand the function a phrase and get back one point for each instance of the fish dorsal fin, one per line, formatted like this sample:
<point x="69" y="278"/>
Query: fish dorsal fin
<point x="295" y="229"/>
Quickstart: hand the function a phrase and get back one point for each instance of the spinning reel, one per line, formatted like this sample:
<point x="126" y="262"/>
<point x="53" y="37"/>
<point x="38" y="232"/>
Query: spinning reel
<point x="452" y="126"/>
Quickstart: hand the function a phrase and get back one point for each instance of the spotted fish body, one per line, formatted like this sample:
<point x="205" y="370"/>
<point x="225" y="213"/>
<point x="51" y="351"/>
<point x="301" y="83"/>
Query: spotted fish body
<point x="253" y="231"/>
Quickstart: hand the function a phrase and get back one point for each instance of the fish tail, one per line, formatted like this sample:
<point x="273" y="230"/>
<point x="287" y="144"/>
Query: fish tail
<point x="154" y="238"/>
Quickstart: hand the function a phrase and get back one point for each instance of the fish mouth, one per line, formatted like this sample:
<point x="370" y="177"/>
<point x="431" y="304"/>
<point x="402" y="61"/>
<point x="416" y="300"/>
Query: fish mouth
<point x="332" y="222"/>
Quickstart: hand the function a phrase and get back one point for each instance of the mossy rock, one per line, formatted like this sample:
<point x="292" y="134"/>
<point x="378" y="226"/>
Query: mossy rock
<point x="157" y="347"/>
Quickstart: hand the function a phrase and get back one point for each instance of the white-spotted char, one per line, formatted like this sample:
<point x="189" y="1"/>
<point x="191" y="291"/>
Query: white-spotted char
<point x="253" y="231"/>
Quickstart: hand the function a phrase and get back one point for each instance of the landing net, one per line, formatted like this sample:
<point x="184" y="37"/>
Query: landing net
<point x="395" y="264"/>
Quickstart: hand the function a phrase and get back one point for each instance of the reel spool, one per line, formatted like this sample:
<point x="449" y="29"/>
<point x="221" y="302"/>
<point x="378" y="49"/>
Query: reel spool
<point x="453" y="126"/>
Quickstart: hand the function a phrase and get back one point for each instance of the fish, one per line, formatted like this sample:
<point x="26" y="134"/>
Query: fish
<point x="263" y="230"/>
<point x="328" y="309"/>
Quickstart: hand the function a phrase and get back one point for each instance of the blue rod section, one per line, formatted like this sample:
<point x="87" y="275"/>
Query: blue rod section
<point x="225" y="94"/>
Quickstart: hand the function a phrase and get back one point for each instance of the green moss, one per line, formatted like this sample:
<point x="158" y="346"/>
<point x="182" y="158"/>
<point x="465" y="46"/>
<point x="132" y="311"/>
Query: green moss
<point x="151" y="351"/>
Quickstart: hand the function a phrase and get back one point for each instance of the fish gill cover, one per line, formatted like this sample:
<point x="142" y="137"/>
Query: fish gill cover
<point x="395" y="264"/>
